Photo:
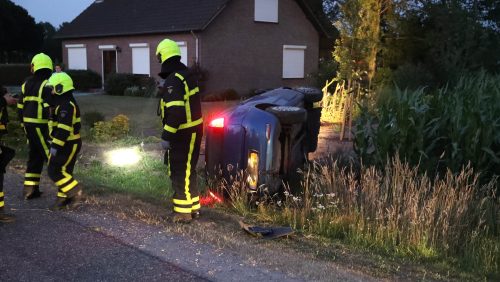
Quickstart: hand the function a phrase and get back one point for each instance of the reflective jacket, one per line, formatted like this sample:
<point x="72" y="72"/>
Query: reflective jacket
<point x="65" y="122"/>
<point x="32" y="106"/>
<point x="180" y="106"/>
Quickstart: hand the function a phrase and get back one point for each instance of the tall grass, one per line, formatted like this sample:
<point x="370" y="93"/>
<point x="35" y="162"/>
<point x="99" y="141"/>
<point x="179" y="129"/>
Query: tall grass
<point x="397" y="211"/>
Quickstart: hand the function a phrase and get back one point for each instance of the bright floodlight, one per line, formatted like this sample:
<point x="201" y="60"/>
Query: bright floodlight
<point x="124" y="157"/>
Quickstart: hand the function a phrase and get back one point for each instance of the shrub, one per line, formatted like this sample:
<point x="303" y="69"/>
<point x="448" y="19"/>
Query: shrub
<point x="116" y="128"/>
<point x="14" y="74"/>
<point x="90" y="118"/>
<point x="223" y="95"/>
<point x="85" y="79"/>
<point x="117" y="83"/>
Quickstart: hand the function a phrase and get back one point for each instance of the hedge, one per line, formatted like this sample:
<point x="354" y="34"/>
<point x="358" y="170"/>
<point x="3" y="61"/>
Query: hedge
<point x="118" y="83"/>
<point x="14" y="74"/>
<point x="85" y="79"/>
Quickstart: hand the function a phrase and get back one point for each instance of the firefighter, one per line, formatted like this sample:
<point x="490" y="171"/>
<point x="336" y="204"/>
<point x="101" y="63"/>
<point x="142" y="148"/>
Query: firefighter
<point x="6" y="154"/>
<point x="66" y="141"/>
<point x="180" y="110"/>
<point x="33" y="109"/>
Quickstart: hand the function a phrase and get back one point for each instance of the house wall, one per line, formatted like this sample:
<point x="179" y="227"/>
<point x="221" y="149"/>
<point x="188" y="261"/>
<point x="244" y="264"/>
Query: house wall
<point x="245" y="55"/>
<point x="124" y="58"/>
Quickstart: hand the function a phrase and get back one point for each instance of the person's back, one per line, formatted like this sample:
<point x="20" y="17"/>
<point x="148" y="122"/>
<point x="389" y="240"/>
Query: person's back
<point x="33" y="110"/>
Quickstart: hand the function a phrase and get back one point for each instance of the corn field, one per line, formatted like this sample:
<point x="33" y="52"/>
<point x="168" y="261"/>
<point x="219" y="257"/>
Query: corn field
<point x="448" y="129"/>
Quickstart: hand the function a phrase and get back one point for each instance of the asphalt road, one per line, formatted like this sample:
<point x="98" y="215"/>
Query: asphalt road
<point x="92" y="245"/>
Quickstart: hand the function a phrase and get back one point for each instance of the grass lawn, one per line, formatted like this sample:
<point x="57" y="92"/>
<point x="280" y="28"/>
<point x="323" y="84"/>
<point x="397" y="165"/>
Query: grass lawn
<point x="148" y="178"/>
<point x="140" y="111"/>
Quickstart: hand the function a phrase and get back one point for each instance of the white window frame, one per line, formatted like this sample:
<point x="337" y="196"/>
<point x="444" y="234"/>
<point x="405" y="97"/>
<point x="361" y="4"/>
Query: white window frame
<point x="294" y="61"/>
<point x="78" y="51"/>
<point x="266" y="11"/>
<point x="145" y="66"/>
<point x="184" y="51"/>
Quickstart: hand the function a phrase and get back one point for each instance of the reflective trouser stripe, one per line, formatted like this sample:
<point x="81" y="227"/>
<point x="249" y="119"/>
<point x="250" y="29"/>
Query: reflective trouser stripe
<point x="182" y="210"/>
<point x="1" y="200"/>
<point x="185" y="206"/>
<point x="188" y="167"/>
<point x="196" y="203"/>
<point x="42" y="141"/>
<point x="63" y="180"/>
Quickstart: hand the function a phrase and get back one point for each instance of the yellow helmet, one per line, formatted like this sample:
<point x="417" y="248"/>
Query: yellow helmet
<point x="41" y="61"/>
<point x="61" y="82"/>
<point x="167" y="49"/>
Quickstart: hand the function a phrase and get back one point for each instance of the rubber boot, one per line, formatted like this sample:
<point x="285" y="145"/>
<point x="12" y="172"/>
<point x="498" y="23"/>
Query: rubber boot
<point x="31" y="192"/>
<point x="195" y="215"/>
<point x="181" y="217"/>
<point x="74" y="199"/>
<point x="5" y="218"/>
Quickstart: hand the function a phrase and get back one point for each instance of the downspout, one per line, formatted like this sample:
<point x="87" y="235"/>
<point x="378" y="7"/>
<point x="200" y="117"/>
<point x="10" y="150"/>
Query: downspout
<point x="197" y="50"/>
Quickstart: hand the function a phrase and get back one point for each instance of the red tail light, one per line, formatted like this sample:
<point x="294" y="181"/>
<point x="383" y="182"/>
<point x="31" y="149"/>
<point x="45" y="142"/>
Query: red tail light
<point x="218" y="122"/>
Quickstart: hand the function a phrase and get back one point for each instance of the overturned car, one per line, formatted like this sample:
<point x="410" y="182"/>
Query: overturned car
<point x="268" y="137"/>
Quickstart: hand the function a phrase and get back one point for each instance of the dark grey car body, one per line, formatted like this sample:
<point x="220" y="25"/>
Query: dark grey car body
<point x="281" y="126"/>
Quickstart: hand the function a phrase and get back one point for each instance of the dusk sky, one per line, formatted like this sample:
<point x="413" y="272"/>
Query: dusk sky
<point x="54" y="11"/>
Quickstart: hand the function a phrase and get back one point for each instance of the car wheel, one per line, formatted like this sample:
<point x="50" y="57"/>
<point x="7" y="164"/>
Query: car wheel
<point x="288" y="114"/>
<point x="311" y="95"/>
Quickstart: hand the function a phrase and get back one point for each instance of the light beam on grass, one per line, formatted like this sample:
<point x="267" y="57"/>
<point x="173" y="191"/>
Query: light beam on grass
<point x="123" y="157"/>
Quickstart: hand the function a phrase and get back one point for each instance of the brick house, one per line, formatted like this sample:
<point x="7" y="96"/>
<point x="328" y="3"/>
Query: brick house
<point x="241" y="44"/>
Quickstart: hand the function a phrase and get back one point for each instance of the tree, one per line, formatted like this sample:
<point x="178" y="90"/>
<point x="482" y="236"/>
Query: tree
<point x="20" y="37"/>
<point x="51" y="46"/>
<point x="359" y="43"/>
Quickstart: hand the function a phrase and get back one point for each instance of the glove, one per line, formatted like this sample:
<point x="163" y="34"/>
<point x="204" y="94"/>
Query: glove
<point x="165" y="145"/>
<point x="53" y="152"/>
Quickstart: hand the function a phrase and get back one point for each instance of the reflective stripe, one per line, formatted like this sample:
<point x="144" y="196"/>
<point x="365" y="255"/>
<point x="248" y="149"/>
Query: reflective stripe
<point x="2" y="126"/>
<point x="182" y="210"/>
<point x="42" y="141"/>
<point x="58" y="142"/>
<point x="70" y="186"/>
<point x="2" y="204"/>
<point x="1" y="194"/>
<point x="35" y="120"/>
<point x="196" y="207"/>
<point x="32" y="175"/>
<point x="20" y="106"/>
<point x="170" y="129"/>
<point x="73" y="152"/>
<point x="191" y="124"/>
<point x="61" y="195"/>
<point x="181" y="202"/>
<point x="195" y="199"/>
<point x="62" y="181"/>
<point x="34" y="183"/>
<point x="33" y="98"/>
<point x="65" y="127"/>
<point x="74" y="137"/>
<point x="174" y="103"/>
<point x="188" y="168"/>
<point x="183" y="126"/>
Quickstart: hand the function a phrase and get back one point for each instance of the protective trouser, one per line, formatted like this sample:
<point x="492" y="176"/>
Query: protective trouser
<point x="61" y="167"/>
<point x="38" y="136"/>
<point x="183" y="157"/>
<point x="6" y="156"/>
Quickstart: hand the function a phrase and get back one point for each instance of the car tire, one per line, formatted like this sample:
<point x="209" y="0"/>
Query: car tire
<point x="288" y="114"/>
<point x="311" y="94"/>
